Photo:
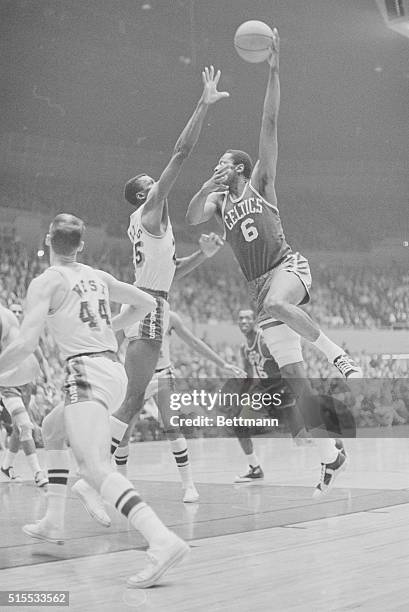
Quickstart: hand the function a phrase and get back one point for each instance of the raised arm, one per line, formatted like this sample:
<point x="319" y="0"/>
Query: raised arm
<point x="264" y="173"/>
<point x="206" y="202"/>
<point x="153" y="209"/>
<point x="209" y="245"/>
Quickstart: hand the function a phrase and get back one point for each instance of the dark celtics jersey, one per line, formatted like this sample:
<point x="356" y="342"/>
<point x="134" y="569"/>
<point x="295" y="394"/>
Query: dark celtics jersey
<point x="253" y="228"/>
<point x="258" y="361"/>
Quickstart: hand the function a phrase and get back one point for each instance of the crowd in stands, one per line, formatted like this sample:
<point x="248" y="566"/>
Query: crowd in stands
<point x="361" y="297"/>
<point x="347" y="297"/>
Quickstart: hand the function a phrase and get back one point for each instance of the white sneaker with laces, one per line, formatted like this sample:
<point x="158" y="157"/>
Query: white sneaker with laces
<point x="347" y="366"/>
<point x="42" y="530"/>
<point x="92" y="502"/>
<point x="191" y="495"/>
<point x="329" y="473"/>
<point x="160" y="560"/>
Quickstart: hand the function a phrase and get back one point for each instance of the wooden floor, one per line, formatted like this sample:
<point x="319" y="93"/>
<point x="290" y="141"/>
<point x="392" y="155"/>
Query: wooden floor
<point x="260" y="547"/>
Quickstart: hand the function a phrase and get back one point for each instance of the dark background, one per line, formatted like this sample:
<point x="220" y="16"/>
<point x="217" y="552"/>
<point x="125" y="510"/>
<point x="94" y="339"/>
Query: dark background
<point x="95" y="91"/>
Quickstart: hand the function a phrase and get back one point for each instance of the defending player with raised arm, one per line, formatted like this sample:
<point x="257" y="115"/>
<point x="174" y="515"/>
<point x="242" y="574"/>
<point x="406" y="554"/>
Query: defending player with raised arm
<point x="74" y="299"/>
<point x="244" y="199"/>
<point x="155" y="261"/>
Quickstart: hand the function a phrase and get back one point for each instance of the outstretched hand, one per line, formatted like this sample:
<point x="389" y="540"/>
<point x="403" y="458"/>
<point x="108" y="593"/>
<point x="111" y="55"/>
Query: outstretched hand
<point x="235" y="370"/>
<point x="275" y="49"/>
<point x="210" y="244"/>
<point x="210" y="81"/>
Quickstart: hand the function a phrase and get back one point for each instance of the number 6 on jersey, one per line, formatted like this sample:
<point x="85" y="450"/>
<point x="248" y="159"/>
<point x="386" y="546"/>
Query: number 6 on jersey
<point x="249" y="230"/>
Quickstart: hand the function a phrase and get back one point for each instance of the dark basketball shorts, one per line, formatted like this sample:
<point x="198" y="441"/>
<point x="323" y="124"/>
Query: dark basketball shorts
<point x="96" y="377"/>
<point x="154" y="325"/>
<point x="259" y="287"/>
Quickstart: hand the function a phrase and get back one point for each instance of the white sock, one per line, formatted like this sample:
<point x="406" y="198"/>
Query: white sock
<point x="253" y="460"/>
<point x="121" y="459"/>
<point x="145" y="520"/>
<point x="119" y="492"/>
<point x="32" y="461"/>
<point x="179" y="450"/>
<point x="58" y="462"/>
<point x="329" y="348"/>
<point x="327" y="449"/>
<point x="118" y="429"/>
<point x="9" y="459"/>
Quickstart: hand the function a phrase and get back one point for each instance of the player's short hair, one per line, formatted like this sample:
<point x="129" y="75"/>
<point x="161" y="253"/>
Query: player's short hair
<point x="247" y="311"/>
<point x="66" y="233"/>
<point x="241" y="157"/>
<point x="132" y="187"/>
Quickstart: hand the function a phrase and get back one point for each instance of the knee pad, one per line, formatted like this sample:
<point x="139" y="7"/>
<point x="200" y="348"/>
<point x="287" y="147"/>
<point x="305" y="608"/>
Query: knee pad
<point x="283" y="343"/>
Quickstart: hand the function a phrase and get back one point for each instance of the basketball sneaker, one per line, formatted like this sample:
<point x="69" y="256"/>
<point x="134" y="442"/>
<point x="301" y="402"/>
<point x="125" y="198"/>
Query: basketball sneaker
<point x="347" y="366"/>
<point x="329" y="472"/>
<point x="10" y="475"/>
<point x="191" y="495"/>
<point x="254" y="473"/>
<point x="40" y="479"/>
<point x="160" y="560"/>
<point x="42" y="530"/>
<point x="92" y="502"/>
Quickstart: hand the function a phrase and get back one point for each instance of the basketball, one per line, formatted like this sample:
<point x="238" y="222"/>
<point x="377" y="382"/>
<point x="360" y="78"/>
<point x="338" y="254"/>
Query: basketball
<point x="252" y="41"/>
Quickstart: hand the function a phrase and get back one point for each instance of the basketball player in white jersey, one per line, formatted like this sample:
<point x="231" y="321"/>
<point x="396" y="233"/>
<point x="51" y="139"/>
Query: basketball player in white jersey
<point x="15" y="394"/>
<point x="155" y="262"/>
<point x="244" y="200"/>
<point x="74" y="300"/>
<point x="161" y="386"/>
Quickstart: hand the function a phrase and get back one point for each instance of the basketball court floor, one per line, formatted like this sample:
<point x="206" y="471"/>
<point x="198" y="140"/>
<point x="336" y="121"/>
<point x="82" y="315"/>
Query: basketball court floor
<point x="264" y="546"/>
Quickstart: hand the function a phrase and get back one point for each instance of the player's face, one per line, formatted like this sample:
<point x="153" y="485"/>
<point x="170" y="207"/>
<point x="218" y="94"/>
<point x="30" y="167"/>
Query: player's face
<point x="226" y="163"/>
<point x="246" y="321"/>
<point x="18" y="311"/>
<point x="145" y="185"/>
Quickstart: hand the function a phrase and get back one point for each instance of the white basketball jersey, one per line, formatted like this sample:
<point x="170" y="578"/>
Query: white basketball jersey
<point x="153" y="256"/>
<point x="27" y="371"/>
<point x="82" y="323"/>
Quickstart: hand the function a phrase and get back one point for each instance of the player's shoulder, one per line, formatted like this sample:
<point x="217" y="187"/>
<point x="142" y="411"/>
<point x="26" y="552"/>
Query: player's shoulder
<point x="51" y="277"/>
<point x="8" y="319"/>
<point x="135" y="218"/>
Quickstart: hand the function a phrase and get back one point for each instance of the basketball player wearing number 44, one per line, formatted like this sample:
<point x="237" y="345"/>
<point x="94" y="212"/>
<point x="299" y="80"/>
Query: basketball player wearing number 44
<point x="243" y="199"/>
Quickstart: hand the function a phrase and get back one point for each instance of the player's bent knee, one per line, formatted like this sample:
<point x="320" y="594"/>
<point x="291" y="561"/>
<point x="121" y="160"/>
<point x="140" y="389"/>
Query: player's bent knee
<point x="24" y="425"/>
<point x="284" y="344"/>
<point x="26" y="432"/>
<point x="275" y="305"/>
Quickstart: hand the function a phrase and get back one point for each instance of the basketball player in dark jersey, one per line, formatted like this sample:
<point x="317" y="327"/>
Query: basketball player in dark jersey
<point x="263" y="377"/>
<point x="244" y="199"/>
